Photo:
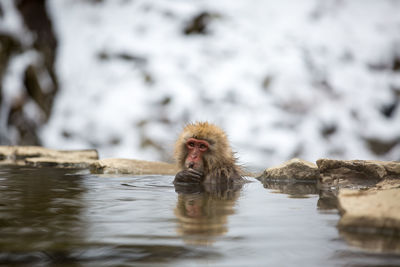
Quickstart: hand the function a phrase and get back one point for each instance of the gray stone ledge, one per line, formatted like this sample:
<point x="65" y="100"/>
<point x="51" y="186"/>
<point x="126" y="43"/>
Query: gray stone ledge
<point x="131" y="166"/>
<point x="59" y="162"/>
<point x="294" y="169"/>
<point x="22" y="152"/>
<point x="356" y="173"/>
<point x="370" y="211"/>
<point x="40" y="157"/>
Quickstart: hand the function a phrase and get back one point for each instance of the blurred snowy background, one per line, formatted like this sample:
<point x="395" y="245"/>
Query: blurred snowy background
<point x="285" y="79"/>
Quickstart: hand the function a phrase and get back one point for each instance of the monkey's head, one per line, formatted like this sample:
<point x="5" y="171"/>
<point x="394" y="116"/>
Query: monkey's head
<point x="202" y="146"/>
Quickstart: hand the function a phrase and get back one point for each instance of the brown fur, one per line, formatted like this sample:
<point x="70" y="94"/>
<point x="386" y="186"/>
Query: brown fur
<point x="219" y="160"/>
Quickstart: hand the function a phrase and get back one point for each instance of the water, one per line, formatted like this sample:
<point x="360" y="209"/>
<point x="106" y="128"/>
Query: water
<point x="72" y="218"/>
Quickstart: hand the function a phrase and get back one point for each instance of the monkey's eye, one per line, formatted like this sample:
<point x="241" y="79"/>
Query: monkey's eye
<point x="191" y="144"/>
<point x="203" y="147"/>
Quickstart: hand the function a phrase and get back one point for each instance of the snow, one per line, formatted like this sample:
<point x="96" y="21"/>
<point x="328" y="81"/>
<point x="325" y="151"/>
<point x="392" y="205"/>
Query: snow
<point x="315" y="55"/>
<point x="10" y="21"/>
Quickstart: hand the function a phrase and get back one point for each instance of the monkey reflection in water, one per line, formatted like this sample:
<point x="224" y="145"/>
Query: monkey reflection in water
<point x="208" y="182"/>
<point x="203" y="211"/>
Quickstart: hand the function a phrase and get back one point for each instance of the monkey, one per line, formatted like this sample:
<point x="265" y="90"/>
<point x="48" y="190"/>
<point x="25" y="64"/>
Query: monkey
<point x="204" y="156"/>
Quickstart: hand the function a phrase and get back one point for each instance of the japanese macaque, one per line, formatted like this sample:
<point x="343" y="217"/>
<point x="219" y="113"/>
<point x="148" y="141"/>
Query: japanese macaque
<point x="203" y="155"/>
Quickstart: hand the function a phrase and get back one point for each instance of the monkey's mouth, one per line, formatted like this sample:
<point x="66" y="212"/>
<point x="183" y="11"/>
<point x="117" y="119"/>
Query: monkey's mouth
<point x="194" y="165"/>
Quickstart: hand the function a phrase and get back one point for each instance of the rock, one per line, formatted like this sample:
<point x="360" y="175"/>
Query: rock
<point x="388" y="184"/>
<point x="44" y="157"/>
<point x="131" y="166"/>
<point x="371" y="211"/>
<point x="381" y="147"/>
<point x="6" y="152"/>
<point x="356" y="173"/>
<point x="12" y="162"/>
<point x="40" y="156"/>
<point x="59" y="162"/>
<point x="23" y="152"/>
<point x="296" y="169"/>
<point x="198" y="24"/>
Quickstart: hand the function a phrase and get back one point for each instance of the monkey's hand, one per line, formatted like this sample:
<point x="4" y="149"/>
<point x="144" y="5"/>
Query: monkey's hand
<point x="190" y="176"/>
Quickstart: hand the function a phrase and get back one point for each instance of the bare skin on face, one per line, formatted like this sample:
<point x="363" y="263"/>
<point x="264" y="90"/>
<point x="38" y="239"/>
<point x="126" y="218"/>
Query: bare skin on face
<point x="204" y="155"/>
<point x="196" y="149"/>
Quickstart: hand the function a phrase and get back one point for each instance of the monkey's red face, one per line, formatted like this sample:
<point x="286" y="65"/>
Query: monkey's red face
<point x="196" y="148"/>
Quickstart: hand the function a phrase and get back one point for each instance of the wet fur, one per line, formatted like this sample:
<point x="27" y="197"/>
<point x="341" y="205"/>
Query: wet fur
<point x="219" y="161"/>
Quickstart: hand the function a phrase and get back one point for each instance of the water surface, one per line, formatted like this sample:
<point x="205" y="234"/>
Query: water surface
<point x="73" y="218"/>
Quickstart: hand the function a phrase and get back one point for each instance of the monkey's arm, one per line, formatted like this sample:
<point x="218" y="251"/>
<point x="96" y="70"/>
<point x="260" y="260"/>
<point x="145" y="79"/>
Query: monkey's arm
<point x="188" y="176"/>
